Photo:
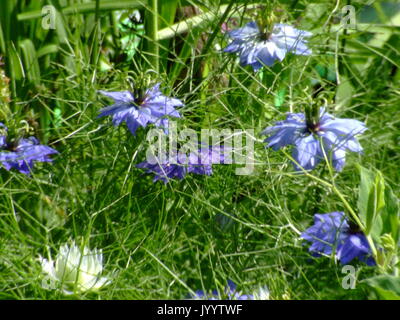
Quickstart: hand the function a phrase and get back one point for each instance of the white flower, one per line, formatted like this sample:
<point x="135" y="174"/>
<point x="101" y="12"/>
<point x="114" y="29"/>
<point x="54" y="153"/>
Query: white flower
<point x="261" y="294"/>
<point x="74" y="271"/>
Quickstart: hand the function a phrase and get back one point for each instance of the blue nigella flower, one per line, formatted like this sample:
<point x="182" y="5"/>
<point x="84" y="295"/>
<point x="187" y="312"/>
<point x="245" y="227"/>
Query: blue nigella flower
<point x="332" y="231"/>
<point x="257" y="47"/>
<point x="230" y="292"/>
<point x="308" y="136"/>
<point x="21" y="154"/>
<point x="141" y="107"/>
<point x="178" y="164"/>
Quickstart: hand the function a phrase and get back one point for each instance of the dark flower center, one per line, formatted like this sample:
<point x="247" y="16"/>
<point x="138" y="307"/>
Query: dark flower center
<point x="313" y="127"/>
<point x="139" y="96"/>
<point x="264" y="36"/>
<point x="312" y="119"/>
<point x="354" y="228"/>
<point x="10" y="146"/>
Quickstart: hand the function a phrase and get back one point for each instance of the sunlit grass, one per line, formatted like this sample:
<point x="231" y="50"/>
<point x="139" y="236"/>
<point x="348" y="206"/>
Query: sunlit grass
<point x="166" y="241"/>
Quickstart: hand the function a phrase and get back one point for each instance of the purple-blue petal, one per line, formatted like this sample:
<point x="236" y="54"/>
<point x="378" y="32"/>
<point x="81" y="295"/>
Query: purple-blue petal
<point x="119" y="97"/>
<point x="247" y="42"/>
<point x="330" y="231"/>
<point x="26" y="152"/>
<point x="153" y="110"/>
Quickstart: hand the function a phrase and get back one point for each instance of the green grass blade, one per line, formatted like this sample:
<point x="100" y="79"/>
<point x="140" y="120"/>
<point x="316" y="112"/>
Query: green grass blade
<point x="151" y="27"/>
<point x="88" y="8"/>
<point x="47" y="49"/>
<point x="30" y="61"/>
<point x="2" y="41"/>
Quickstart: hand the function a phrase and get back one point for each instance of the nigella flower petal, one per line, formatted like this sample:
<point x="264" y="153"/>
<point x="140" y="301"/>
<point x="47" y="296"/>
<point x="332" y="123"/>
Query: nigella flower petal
<point x="244" y="58"/>
<point x="199" y="294"/>
<point x="281" y="138"/>
<point x="132" y="124"/>
<point x="284" y="132"/>
<point x="122" y="114"/>
<point x="201" y="169"/>
<point x="178" y="164"/>
<point x="99" y="283"/>
<point x="249" y="30"/>
<point x="39" y="153"/>
<point x="257" y="48"/>
<point x="231" y="285"/>
<point x="233" y="47"/>
<point x="119" y="96"/>
<point x="208" y="155"/>
<point x="162" y="123"/>
<point x="338" y="159"/>
<point x="75" y="271"/>
<point x="24" y="167"/>
<point x="336" y="219"/>
<point x="338" y="145"/>
<point x="289" y="31"/>
<point x="145" y="116"/>
<point x="26" y="152"/>
<point x="334" y="141"/>
<point x="268" y="53"/>
<point x="331" y="230"/>
<point x="352" y="144"/>
<point x="292" y="123"/>
<point x="312" y="140"/>
<point x="48" y="267"/>
<point x="169" y="102"/>
<point x="141" y="110"/>
<point x="162" y="106"/>
<point x="356" y="245"/>
<point x="305" y="152"/>
<point x="325" y="232"/>
<point x="275" y="51"/>
<point x="3" y="141"/>
<point x="292" y="45"/>
<point x="114" y="109"/>
<point x="164" y="171"/>
<point x="262" y="53"/>
<point x="300" y="48"/>
<point x="261" y="294"/>
<point x="292" y="40"/>
<point x="154" y="91"/>
<point x="344" y="126"/>
<point x="7" y="158"/>
<point x="319" y="240"/>
<point x="319" y="247"/>
<point x="369" y="260"/>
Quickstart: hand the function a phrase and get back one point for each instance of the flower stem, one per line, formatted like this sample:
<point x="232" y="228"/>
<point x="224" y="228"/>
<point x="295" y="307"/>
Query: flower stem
<point x="152" y="31"/>
<point x="347" y="205"/>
